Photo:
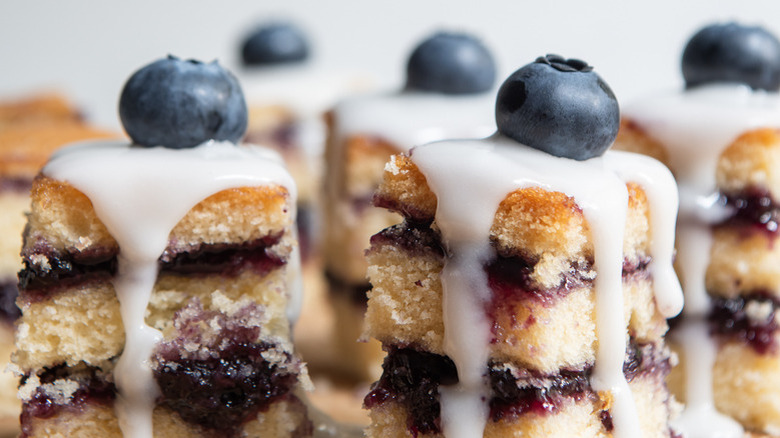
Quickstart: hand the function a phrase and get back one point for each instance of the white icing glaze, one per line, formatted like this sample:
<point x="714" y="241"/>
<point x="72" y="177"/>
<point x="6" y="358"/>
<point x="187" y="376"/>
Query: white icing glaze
<point x="407" y="119"/>
<point x="470" y="178"/>
<point x="695" y="127"/>
<point x="140" y="194"/>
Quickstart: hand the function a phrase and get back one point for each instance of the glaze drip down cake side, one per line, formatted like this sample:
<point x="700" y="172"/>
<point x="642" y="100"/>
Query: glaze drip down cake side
<point x="449" y="76"/>
<point x="720" y="137"/>
<point x="525" y="291"/>
<point x="30" y="129"/>
<point x="160" y="282"/>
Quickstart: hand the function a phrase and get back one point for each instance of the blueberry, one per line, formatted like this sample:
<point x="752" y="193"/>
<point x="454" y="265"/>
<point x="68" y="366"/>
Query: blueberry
<point x="732" y="52"/>
<point x="275" y="43"/>
<point x="560" y="106"/>
<point x="179" y="104"/>
<point x="451" y="63"/>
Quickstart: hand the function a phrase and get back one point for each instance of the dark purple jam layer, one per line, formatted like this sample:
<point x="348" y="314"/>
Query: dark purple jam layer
<point x="9" y="311"/>
<point x="413" y="237"/>
<point x="63" y="270"/>
<point x="730" y="320"/>
<point x="754" y="209"/>
<point x="510" y="280"/>
<point x="16" y="185"/>
<point x="412" y="378"/>
<point x="225" y="259"/>
<point x="228" y="382"/>
<point x="93" y="389"/>
<point x="70" y="269"/>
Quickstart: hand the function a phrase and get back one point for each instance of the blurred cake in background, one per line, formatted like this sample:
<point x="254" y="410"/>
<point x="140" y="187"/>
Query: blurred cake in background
<point x="721" y="139"/>
<point x="524" y="291"/>
<point x="288" y="90"/>
<point x="160" y="275"/>
<point x="448" y="94"/>
<point x="31" y="128"/>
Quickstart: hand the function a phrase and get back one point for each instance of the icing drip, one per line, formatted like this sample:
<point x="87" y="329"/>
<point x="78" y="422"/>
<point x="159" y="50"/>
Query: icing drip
<point x="470" y="179"/>
<point x="696" y="127"/>
<point x="140" y="194"/>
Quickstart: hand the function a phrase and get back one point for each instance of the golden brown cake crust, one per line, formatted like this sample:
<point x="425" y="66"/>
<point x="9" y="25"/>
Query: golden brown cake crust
<point x="64" y="217"/>
<point x="752" y="160"/>
<point x="530" y="222"/>
<point x="749" y="161"/>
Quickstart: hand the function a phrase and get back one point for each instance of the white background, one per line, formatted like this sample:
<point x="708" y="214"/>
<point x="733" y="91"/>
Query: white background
<point x="87" y="49"/>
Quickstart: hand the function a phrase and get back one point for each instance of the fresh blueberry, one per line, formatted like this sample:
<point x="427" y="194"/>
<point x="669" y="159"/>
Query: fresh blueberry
<point x="451" y="63"/>
<point x="275" y="43"/>
<point x="180" y="104"/>
<point x="732" y="52"/>
<point x="560" y="106"/>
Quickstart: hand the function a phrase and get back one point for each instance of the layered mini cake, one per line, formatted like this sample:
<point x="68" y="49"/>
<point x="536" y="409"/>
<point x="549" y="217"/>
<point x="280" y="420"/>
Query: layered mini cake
<point x="720" y="138"/>
<point x="525" y="291"/>
<point x="30" y="130"/>
<point x="449" y="77"/>
<point x="160" y="277"/>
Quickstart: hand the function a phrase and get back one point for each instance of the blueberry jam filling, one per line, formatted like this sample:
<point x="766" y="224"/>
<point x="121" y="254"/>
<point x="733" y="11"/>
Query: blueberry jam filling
<point x="225" y="259"/>
<point x="230" y="379"/>
<point x="753" y="209"/>
<point x="749" y="319"/>
<point x="63" y="270"/>
<point x="515" y="395"/>
<point x="9" y="311"/>
<point x="412" y="237"/>
<point x="510" y="279"/>
<point x="412" y="378"/>
<point x="93" y="389"/>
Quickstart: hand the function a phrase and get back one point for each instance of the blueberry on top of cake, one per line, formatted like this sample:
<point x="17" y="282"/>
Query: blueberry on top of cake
<point x="275" y="43"/>
<point x="451" y="63"/>
<point x="732" y="52"/>
<point x="560" y="106"/>
<point x="179" y="104"/>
